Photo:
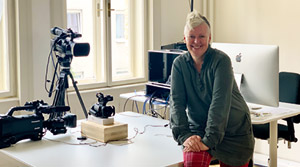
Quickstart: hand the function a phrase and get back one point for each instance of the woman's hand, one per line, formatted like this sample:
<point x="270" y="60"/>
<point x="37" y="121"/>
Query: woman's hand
<point x="194" y="144"/>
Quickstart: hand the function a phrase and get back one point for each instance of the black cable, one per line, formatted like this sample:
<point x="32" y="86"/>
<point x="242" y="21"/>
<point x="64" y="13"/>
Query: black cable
<point x="144" y="106"/>
<point x="165" y="111"/>
<point x="152" y="110"/>
<point x="47" y="67"/>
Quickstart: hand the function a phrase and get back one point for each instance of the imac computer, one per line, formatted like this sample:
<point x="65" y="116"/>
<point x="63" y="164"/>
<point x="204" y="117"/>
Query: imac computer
<point x="259" y="66"/>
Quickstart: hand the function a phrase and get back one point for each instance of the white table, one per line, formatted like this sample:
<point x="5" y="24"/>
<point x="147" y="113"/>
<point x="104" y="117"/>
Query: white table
<point x="284" y="110"/>
<point x="155" y="147"/>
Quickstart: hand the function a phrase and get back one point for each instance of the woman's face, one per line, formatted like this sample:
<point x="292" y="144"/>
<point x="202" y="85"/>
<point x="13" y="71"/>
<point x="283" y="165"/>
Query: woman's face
<point x="197" y="40"/>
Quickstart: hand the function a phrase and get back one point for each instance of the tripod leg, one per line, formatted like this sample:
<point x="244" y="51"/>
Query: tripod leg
<point x="78" y="95"/>
<point x="59" y="98"/>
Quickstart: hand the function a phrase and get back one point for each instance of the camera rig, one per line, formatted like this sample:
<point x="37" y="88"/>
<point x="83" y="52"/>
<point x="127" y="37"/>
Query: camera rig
<point x="65" y="48"/>
<point x="16" y="128"/>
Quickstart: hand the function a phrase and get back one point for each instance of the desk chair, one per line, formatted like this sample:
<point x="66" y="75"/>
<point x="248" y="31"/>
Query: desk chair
<point x="289" y="92"/>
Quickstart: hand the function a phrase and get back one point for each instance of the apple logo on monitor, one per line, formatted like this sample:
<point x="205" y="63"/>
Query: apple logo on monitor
<point x="238" y="57"/>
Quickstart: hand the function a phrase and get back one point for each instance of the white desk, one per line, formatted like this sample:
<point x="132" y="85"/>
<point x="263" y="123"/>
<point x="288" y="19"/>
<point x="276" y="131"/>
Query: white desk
<point x="284" y="110"/>
<point x="155" y="147"/>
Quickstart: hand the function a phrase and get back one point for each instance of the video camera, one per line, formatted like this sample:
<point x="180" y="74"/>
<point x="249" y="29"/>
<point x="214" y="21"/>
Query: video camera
<point x="100" y="109"/>
<point x="63" y="44"/>
<point x="16" y="128"/>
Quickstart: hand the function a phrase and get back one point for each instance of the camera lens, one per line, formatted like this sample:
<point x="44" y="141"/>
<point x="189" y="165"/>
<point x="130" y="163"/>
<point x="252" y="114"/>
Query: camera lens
<point x="81" y="49"/>
<point x="70" y="120"/>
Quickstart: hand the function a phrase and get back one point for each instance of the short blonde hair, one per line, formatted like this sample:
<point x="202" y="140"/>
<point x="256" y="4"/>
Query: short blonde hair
<point x="194" y="19"/>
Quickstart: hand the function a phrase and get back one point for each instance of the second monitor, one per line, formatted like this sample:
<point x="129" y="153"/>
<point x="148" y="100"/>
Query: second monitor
<point x="160" y="64"/>
<point x="159" y="70"/>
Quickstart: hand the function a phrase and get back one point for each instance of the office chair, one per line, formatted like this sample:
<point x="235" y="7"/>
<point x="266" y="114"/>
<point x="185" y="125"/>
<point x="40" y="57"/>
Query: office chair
<point x="289" y="92"/>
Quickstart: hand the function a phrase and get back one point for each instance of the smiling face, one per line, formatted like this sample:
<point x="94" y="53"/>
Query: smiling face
<point x="197" y="40"/>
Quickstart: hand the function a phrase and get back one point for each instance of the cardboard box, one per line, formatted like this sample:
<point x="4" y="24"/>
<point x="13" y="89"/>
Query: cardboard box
<point x="104" y="133"/>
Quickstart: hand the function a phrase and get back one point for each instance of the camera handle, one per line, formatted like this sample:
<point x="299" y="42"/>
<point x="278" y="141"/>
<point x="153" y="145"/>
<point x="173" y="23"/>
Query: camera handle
<point x="59" y="98"/>
<point x="19" y="108"/>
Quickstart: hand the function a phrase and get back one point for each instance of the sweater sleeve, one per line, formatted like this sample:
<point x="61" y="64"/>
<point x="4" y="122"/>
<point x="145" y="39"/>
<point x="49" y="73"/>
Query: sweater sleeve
<point x="179" y="120"/>
<point x="219" y="108"/>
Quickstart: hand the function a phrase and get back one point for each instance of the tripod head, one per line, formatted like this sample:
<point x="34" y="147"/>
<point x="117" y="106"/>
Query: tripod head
<point x="66" y="48"/>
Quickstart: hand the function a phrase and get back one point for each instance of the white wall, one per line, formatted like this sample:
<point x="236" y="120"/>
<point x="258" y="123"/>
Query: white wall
<point x="262" y="22"/>
<point x="169" y="20"/>
<point x="40" y="46"/>
<point x="173" y="15"/>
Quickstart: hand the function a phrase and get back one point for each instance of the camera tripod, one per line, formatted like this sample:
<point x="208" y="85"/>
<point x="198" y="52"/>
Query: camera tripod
<point x="59" y="98"/>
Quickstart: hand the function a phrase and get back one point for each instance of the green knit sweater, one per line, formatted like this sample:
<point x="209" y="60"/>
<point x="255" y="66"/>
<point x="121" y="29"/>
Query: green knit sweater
<point x="209" y="104"/>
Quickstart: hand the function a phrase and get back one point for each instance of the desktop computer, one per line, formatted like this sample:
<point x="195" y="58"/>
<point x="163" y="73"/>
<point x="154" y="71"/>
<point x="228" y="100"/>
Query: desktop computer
<point x="259" y="66"/>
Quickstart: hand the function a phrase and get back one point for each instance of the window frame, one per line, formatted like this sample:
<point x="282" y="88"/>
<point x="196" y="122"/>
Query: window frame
<point x="106" y="60"/>
<point x="144" y="48"/>
<point x="10" y="49"/>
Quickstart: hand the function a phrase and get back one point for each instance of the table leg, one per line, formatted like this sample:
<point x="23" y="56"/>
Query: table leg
<point x="273" y="144"/>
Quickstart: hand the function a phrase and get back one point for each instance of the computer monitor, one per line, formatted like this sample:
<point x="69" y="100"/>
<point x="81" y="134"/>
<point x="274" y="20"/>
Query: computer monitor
<point x="259" y="66"/>
<point x="159" y="71"/>
<point x="160" y="64"/>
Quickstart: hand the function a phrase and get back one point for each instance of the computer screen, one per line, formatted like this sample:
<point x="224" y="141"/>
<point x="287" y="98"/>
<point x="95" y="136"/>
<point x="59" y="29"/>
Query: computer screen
<point x="160" y="64"/>
<point x="259" y="66"/>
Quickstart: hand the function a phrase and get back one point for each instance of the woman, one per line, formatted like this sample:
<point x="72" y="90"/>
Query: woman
<point x="209" y="116"/>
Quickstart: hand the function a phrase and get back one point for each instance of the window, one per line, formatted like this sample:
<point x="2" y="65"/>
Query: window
<point x="6" y="54"/>
<point x="120" y="27"/>
<point x="74" y="20"/>
<point x="115" y="30"/>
